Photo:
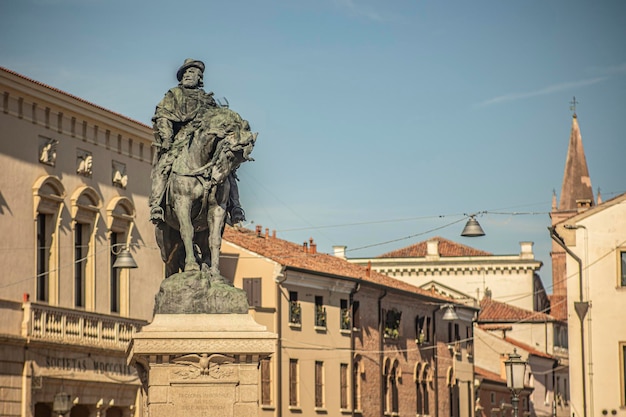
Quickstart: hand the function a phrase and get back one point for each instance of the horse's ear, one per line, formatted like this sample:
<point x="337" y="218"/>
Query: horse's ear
<point x="246" y="125"/>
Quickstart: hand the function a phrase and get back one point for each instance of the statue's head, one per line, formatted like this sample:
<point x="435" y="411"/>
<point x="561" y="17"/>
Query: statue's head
<point x="191" y="73"/>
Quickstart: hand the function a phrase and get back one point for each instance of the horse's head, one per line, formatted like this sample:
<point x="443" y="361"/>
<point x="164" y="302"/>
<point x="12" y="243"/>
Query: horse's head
<point x="235" y="140"/>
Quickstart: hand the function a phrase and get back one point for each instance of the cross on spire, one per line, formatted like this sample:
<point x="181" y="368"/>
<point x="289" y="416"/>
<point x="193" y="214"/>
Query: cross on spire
<point x="573" y="104"/>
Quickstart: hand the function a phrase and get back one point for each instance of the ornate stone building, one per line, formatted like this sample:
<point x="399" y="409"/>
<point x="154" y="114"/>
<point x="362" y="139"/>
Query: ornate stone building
<point x="73" y="195"/>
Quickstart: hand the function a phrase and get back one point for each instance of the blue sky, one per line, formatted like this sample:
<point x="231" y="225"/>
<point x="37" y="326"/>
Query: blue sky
<point x="380" y="124"/>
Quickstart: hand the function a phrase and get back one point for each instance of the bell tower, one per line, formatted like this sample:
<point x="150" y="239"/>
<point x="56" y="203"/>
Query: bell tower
<point x="576" y="196"/>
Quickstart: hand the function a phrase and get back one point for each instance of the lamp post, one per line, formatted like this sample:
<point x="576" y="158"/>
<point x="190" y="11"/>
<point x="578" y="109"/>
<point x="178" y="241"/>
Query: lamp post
<point x="515" y="372"/>
<point x="62" y="404"/>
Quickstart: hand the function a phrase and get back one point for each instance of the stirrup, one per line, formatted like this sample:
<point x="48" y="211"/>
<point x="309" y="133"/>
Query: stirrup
<point x="156" y="215"/>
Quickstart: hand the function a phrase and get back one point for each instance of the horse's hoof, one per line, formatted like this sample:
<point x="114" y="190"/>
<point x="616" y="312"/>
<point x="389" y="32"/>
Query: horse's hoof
<point x="192" y="267"/>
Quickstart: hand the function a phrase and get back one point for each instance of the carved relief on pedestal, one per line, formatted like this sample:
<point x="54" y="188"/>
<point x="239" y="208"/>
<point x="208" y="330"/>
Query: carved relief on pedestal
<point x="215" y="366"/>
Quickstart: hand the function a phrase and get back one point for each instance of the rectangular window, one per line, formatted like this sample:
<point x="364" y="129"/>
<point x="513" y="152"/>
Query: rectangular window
<point x="320" y="311"/>
<point x="80" y="263"/>
<point x="344" y="315"/>
<point x="43" y="258"/>
<point x="319" y="384"/>
<point x="356" y="315"/>
<point x="293" y="382"/>
<point x="295" y="311"/>
<point x="623" y="371"/>
<point x="422" y="329"/>
<point x="622" y="257"/>
<point x="252" y="287"/>
<point x="343" y="388"/>
<point x="356" y="394"/>
<point x="115" y="277"/>
<point x="266" y="382"/>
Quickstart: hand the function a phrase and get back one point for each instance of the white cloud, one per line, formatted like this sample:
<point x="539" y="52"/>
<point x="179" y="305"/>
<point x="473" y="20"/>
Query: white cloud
<point x="541" y="92"/>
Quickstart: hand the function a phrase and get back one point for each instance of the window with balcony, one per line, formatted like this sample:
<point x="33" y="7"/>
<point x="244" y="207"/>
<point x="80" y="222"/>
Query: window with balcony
<point x="320" y="312"/>
<point x="344" y="311"/>
<point x="356" y="315"/>
<point x="392" y="324"/>
<point x="115" y="275"/>
<point x="422" y="329"/>
<point x="295" y="310"/>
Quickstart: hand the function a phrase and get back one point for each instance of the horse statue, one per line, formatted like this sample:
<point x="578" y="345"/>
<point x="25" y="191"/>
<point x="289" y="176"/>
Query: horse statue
<point x="195" y="205"/>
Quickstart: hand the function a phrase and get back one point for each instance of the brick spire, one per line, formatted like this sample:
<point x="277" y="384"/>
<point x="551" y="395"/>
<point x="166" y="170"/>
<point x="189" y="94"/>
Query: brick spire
<point x="576" y="191"/>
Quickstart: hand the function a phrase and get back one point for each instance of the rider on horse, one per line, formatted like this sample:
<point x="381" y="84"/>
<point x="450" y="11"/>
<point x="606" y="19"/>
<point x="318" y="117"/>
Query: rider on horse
<point x="175" y="120"/>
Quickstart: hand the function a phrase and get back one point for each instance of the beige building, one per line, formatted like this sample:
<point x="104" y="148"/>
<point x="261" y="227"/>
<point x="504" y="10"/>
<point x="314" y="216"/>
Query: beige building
<point x="595" y="244"/>
<point x="466" y="273"/>
<point x="351" y="341"/>
<point x="73" y="195"/>
<point x="540" y="338"/>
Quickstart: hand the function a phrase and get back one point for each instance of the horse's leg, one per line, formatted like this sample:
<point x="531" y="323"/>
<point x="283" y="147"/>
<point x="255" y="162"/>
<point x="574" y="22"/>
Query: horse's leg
<point x="217" y="216"/>
<point x="182" y="206"/>
<point x="201" y="238"/>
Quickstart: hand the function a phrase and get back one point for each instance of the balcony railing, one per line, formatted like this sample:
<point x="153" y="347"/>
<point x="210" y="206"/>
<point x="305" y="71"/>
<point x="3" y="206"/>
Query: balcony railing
<point x="320" y="316"/>
<point x="295" y="313"/>
<point x="55" y="324"/>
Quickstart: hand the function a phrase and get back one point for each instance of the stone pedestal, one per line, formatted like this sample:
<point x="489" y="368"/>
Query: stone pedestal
<point x="194" y="365"/>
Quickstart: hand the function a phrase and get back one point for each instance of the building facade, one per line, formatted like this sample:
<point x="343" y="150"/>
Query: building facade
<point x="467" y="271"/>
<point x="72" y="197"/>
<point x="351" y="341"/>
<point x="595" y="244"/>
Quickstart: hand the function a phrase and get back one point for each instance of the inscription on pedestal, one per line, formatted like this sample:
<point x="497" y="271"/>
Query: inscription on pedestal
<point x="202" y="401"/>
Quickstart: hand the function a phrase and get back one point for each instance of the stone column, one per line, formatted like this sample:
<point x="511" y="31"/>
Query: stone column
<point x="194" y="365"/>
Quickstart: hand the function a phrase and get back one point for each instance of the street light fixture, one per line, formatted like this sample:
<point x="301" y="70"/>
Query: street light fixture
<point x="515" y="373"/>
<point x="472" y="228"/>
<point x="124" y="259"/>
<point x="62" y="404"/>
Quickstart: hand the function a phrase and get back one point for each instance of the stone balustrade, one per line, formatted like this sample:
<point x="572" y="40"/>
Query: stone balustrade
<point x="56" y="324"/>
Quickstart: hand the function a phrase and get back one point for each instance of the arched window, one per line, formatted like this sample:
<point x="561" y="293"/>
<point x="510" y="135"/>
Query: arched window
<point x="120" y="222"/>
<point x="358" y="374"/>
<point x="391" y="378"/>
<point x="48" y="193"/>
<point x="85" y="205"/>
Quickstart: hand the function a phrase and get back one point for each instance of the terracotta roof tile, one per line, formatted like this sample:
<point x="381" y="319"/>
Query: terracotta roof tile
<point x="531" y="350"/>
<point x="488" y="375"/>
<point x="447" y="248"/>
<point x="293" y="255"/>
<point x="492" y="311"/>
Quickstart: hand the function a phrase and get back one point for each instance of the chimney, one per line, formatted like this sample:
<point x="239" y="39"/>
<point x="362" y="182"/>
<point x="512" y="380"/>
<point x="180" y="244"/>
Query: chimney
<point x="368" y="270"/>
<point x="340" y="251"/>
<point x="432" y="249"/>
<point x="274" y="234"/>
<point x="267" y="233"/>
<point x="305" y="248"/>
<point x="313" y="246"/>
<point x="526" y="250"/>
<point x="259" y="228"/>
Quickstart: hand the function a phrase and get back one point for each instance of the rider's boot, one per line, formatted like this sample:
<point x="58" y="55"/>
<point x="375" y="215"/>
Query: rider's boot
<point x="158" y="187"/>
<point x="237" y="215"/>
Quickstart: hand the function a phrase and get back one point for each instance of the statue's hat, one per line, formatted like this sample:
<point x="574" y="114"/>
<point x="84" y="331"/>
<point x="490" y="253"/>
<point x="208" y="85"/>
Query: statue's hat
<point x="189" y="63"/>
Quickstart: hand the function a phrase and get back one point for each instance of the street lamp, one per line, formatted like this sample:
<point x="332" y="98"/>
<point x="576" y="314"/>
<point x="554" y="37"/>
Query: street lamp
<point x="62" y="404"/>
<point x="123" y="257"/>
<point x="515" y="372"/>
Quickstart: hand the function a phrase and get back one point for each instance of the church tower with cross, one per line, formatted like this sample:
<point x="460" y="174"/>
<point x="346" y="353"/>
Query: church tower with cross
<point x="576" y="196"/>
